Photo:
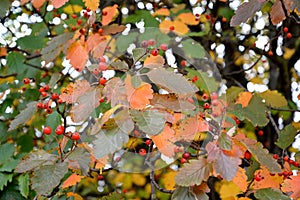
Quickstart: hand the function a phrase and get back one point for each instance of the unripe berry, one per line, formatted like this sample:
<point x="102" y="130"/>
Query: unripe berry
<point x="47" y="130"/>
<point x="144" y="43"/>
<point x="164" y="47"/>
<point x="151" y="42"/>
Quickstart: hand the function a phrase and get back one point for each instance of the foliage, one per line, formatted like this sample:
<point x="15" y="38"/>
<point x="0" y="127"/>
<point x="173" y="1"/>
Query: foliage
<point x="160" y="100"/>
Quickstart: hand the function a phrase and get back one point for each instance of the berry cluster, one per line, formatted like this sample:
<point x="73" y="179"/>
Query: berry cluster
<point x="47" y="104"/>
<point x="185" y="157"/>
<point x="101" y="183"/>
<point x="150" y="46"/>
<point x="60" y="129"/>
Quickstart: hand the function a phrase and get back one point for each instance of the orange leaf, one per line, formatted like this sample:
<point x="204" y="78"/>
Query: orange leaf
<point x="24" y="2"/>
<point x="164" y="142"/>
<point x="75" y="195"/>
<point x="188" y="18"/>
<point x="292" y="185"/>
<point x="58" y="3"/>
<point x="71" y="180"/>
<point x="138" y="98"/>
<point x="38" y="3"/>
<point x="244" y="98"/>
<point x="3" y="51"/>
<point x="73" y="91"/>
<point x="179" y="27"/>
<point x="96" y="43"/>
<point x="154" y="61"/>
<point x="78" y="55"/>
<point x="268" y="181"/>
<point x="162" y="12"/>
<point x="240" y="179"/>
<point x="91" y="4"/>
<point x="277" y="13"/>
<point x="111" y="13"/>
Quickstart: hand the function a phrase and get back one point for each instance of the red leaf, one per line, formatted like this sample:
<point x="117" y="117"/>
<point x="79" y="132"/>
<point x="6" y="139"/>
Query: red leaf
<point x="78" y="55"/>
<point x="58" y="3"/>
<point x="96" y="44"/>
<point x="292" y="185"/>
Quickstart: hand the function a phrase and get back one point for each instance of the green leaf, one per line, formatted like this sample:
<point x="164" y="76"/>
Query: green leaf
<point x="47" y="177"/>
<point x="196" y="34"/>
<point x="156" y="34"/>
<point x="270" y="194"/>
<point x="139" y="54"/>
<point x="232" y="93"/>
<point x="6" y="151"/>
<point x="123" y="41"/>
<point x="4" y="179"/>
<point x="24" y="116"/>
<point x="183" y="193"/>
<point x="171" y="81"/>
<point x="15" y="63"/>
<point x="149" y="121"/>
<point x="55" y="46"/>
<point x="204" y="81"/>
<point x="30" y="42"/>
<point x="224" y="141"/>
<point x="144" y="15"/>
<point x="273" y="98"/>
<point x="11" y="194"/>
<point x="39" y="29"/>
<point x="24" y="184"/>
<point x="53" y="120"/>
<point x="80" y="159"/>
<point x="4" y="6"/>
<point x="193" y="49"/>
<point x="109" y="141"/>
<point x="35" y="159"/>
<point x="286" y="137"/>
<point x="119" y="65"/>
<point x="54" y="78"/>
<point x="193" y="173"/>
<point x="9" y="165"/>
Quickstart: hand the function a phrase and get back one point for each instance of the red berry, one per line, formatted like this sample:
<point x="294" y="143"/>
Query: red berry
<point x="100" y="31"/>
<point x="144" y="43"/>
<point x="247" y="155"/>
<point x="154" y="52"/>
<point x="102" y="99"/>
<point x="197" y="15"/>
<point x="59" y="101"/>
<point x="148" y="142"/>
<point x="223" y="19"/>
<point x="102" y="81"/>
<point x="49" y="110"/>
<point x="258" y="177"/>
<point x="285" y="29"/>
<point x="104" y="13"/>
<point x="100" y="177"/>
<point x="142" y="152"/>
<point x="183" y="63"/>
<point x="194" y="79"/>
<point x="82" y="32"/>
<point x="26" y="80"/>
<point x="102" y="66"/>
<point x="86" y="14"/>
<point x="206" y="105"/>
<point x="73" y="28"/>
<point x="285" y="173"/>
<point x="296" y="164"/>
<point x="207" y="17"/>
<point x="40" y="105"/>
<point x="183" y="160"/>
<point x="79" y="21"/>
<point x="46" y="87"/>
<point x="60" y="130"/>
<point x="54" y="96"/>
<point x="74" y="16"/>
<point x="88" y="9"/>
<point x="291" y="162"/>
<point x="41" y="89"/>
<point x="151" y="42"/>
<point x="164" y="47"/>
<point x="75" y="136"/>
<point x="270" y="53"/>
<point x="102" y="59"/>
<point x="286" y="158"/>
<point x="275" y="156"/>
<point x="47" y="130"/>
<point x="186" y="155"/>
<point x="172" y="28"/>
<point x="214" y="96"/>
<point x="260" y="132"/>
<point x="204" y="97"/>
<point x="44" y="94"/>
<point x="289" y="35"/>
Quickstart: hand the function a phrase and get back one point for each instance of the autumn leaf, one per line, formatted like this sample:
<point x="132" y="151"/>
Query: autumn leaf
<point x="96" y="44"/>
<point x="111" y="13"/>
<point x="277" y="13"/>
<point x="58" y="3"/>
<point x="73" y="91"/>
<point x="274" y="98"/>
<point x="38" y="3"/>
<point x="228" y="190"/>
<point x="168" y="180"/>
<point x="267" y="181"/>
<point x="113" y="29"/>
<point x="92" y="4"/>
<point x="78" y="55"/>
<point x="244" y="98"/>
<point x="154" y="61"/>
<point x="240" y="179"/>
<point x="162" y="12"/>
<point x="138" y="97"/>
<point x="71" y="180"/>
<point x="75" y="195"/>
<point x="79" y="159"/>
<point x="292" y="184"/>
<point x="178" y="26"/>
<point x="188" y="18"/>
<point x="270" y="194"/>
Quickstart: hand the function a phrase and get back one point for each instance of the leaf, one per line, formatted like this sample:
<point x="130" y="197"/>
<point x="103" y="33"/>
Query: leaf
<point x="162" y="12"/>
<point x="119" y="65"/>
<point x="75" y="195"/>
<point x="164" y="141"/>
<point x="31" y="42"/>
<point x="55" y="46"/>
<point x="194" y="172"/>
<point x="228" y="190"/>
<point x="79" y="159"/>
<point x="144" y="15"/>
<point x="7" y="150"/>
<point x="9" y="165"/>
<point x="23" y="181"/>
<point x="54" y="78"/>
<point x="47" y="177"/>
<point x="292" y="185"/>
<point x="113" y="29"/>
<point x="179" y="27"/>
<point x="113" y="196"/>
<point x="277" y="14"/>
<point x="244" y="99"/>
<point x="23" y="116"/>
<point x="71" y="180"/>
<point x="183" y="193"/>
<point x="96" y="44"/>
<point x="286" y="136"/>
<point x="270" y="194"/>
<point x="4" y="179"/>
<point x="78" y="55"/>
<point x="138" y="98"/>
<point x="193" y="49"/>
<point x="240" y="179"/>
<point x="92" y="4"/>
<point x="53" y="120"/>
<point x="232" y="93"/>
<point x="154" y="61"/>
<point x="204" y="81"/>
<point x="73" y="91"/>
<point x="124" y="41"/>
<point x="171" y="102"/>
<point x="188" y="18"/>
<point x="139" y="54"/>
<point x="58" y="3"/>
<point x="86" y="105"/>
<point x="38" y="3"/>
<point x="246" y="11"/>
<point x="35" y="159"/>
<point x="109" y="141"/>
<point x="115" y="92"/>
<point x="168" y="180"/>
<point x="273" y="98"/>
<point x="112" y="13"/>
<point x="224" y="141"/>
<point x="268" y="181"/>
<point x="259" y="153"/>
<point x="4" y="6"/>
<point x="149" y="121"/>
<point x="171" y="81"/>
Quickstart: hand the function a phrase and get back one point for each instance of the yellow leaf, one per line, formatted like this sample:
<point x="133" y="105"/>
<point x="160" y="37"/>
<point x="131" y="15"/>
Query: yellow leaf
<point x="268" y="181"/>
<point x="244" y="198"/>
<point x="244" y="98"/>
<point x="138" y="179"/>
<point x="72" y="8"/>
<point x="162" y="12"/>
<point x="168" y="179"/>
<point x="229" y="190"/>
<point x="188" y="18"/>
<point x="296" y="125"/>
<point x="256" y="80"/>
<point x="288" y="53"/>
<point x="92" y="4"/>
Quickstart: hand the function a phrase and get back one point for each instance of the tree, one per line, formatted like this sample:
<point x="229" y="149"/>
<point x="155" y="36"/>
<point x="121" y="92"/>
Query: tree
<point x="149" y="100"/>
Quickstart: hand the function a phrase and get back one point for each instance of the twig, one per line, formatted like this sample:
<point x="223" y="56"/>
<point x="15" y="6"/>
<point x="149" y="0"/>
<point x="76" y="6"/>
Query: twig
<point x="243" y="70"/>
<point x="273" y="122"/>
<point x="9" y="75"/>
<point x="156" y="184"/>
<point x="284" y="109"/>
